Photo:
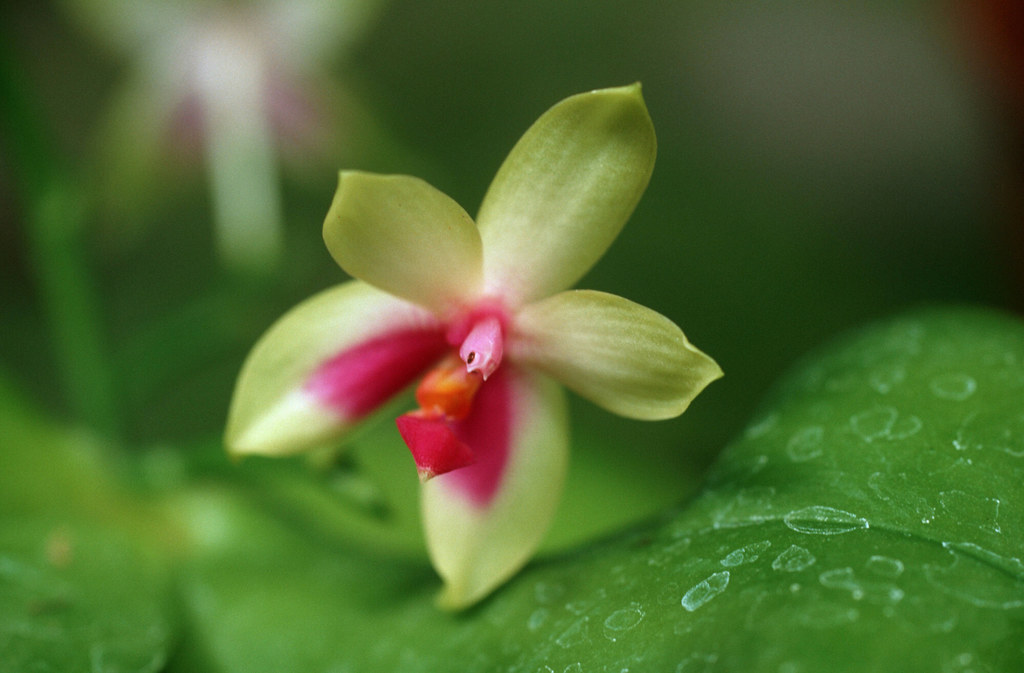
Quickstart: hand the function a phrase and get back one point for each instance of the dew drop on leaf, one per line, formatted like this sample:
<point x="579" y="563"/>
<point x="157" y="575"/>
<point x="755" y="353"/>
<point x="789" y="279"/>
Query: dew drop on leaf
<point x="823" y="520"/>
<point x="704" y="591"/>
<point x="794" y="559"/>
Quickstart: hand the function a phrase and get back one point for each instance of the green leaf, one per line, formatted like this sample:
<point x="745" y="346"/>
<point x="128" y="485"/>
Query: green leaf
<point x="78" y="596"/>
<point x="81" y="587"/>
<point x="869" y="519"/>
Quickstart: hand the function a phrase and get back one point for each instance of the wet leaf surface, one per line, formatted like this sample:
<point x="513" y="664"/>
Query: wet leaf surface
<point x="76" y="596"/>
<point x="868" y="519"/>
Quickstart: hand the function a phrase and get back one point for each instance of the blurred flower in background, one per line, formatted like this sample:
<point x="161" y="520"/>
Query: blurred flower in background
<point x="825" y="164"/>
<point x="240" y="86"/>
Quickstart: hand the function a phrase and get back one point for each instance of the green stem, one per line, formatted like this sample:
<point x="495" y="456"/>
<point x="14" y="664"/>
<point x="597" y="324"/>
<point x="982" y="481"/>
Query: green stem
<point x="54" y="208"/>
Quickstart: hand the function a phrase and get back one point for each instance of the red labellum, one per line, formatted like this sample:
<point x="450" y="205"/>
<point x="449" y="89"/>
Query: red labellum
<point x="433" y="444"/>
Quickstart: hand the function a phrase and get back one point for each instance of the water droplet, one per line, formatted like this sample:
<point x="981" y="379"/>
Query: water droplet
<point x="574" y="635"/>
<point x="884" y="423"/>
<point x="885" y="566"/>
<point x="875" y="423"/>
<point x="15" y="569"/>
<point x="1012" y="564"/>
<point x="547" y="593"/>
<point x="623" y="620"/>
<point x="905" y="426"/>
<point x="876" y="481"/>
<point x="875" y="592"/>
<point x="827" y="615"/>
<point x="806" y="444"/>
<point x="965" y="662"/>
<point x="704" y="591"/>
<point x="837" y="578"/>
<point x="793" y="560"/>
<point x="992" y="430"/>
<point x="899" y="489"/>
<point x="577" y="607"/>
<point x="957" y="387"/>
<point x="884" y="380"/>
<point x="974" y="582"/>
<point x="758" y="464"/>
<point x="823" y="520"/>
<point x="698" y="663"/>
<point x="747" y="554"/>
<point x="756" y="497"/>
<point x="961" y="506"/>
<point x="537" y="619"/>
<point x="762" y="427"/>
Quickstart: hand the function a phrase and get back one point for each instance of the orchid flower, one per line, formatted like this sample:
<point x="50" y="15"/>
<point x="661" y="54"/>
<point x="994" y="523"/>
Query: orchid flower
<point x="479" y="314"/>
<point x="232" y="78"/>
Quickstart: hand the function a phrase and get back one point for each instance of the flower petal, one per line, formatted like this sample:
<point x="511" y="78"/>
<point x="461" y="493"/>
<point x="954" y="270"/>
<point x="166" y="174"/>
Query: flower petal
<point x="622" y="356"/>
<point x="483" y="522"/>
<point x="231" y="82"/>
<point x="564" y="193"/>
<point x="403" y="236"/>
<point x="327" y="364"/>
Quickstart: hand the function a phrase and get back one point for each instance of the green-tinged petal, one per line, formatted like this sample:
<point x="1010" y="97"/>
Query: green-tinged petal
<point x="622" y="356"/>
<point x="479" y="535"/>
<point x="403" y="236"/>
<point x="288" y="399"/>
<point x="564" y="192"/>
<point x="318" y="30"/>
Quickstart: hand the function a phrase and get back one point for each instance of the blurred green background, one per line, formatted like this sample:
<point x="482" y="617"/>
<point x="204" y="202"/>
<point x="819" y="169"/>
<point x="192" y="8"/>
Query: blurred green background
<point x="820" y="165"/>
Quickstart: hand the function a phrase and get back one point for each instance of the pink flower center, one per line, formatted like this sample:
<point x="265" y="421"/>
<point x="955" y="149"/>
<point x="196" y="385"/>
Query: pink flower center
<point x="483" y="347"/>
<point x="445" y="397"/>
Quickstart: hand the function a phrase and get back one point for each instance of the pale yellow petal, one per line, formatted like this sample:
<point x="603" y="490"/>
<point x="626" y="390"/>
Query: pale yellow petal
<point x="478" y="538"/>
<point x="564" y="193"/>
<point x="622" y="356"/>
<point x="401" y="235"/>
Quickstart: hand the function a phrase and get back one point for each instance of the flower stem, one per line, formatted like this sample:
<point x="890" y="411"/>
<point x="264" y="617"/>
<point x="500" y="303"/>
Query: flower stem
<point x="54" y="211"/>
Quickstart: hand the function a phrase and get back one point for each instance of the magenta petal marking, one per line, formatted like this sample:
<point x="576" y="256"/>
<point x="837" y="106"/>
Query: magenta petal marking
<point x="434" y="446"/>
<point x="488" y="432"/>
<point x="360" y="379"/>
